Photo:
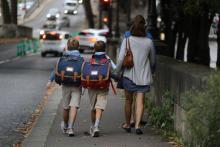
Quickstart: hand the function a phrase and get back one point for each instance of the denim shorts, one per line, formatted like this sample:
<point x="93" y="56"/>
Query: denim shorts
<point x="130" y="86"/>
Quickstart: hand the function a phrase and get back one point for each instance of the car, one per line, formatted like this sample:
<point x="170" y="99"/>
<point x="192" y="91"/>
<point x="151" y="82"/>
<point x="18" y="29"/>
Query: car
<point x="53" y="14"/>
<point x="53" y="42"/>
<point x="64" y="21"/>
<point x="52" y="25"/>
<point x="88" y="37"/>
<point x="71" y="6"/>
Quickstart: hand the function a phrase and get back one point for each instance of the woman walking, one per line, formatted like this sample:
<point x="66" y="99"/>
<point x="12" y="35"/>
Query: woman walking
<point x="137" y="79"/>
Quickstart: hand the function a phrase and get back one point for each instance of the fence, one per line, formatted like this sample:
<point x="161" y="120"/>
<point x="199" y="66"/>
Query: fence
<point x="27" y="46"/>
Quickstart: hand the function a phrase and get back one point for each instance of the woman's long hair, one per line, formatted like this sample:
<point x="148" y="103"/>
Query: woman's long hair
<point x="138" y="26"/>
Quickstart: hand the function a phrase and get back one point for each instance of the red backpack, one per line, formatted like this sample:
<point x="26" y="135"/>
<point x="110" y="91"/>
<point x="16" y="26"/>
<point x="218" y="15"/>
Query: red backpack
<point x="96" y="73"/>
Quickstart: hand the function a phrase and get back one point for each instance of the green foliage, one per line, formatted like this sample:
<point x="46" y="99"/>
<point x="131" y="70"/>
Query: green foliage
<point x="161" y="117"/>
<point x="199" y="6"/>
<point x="203" y="113"/>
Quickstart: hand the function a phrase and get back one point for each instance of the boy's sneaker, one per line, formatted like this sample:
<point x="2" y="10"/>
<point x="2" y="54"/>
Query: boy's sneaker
<point x="91" y="131"/>
<point x="70" y="132"/>
<point x="96" y="132"/>
<point x="63" y="127"/>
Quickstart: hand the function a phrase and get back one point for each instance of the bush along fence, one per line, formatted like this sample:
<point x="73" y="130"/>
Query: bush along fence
<point x="27" y="46"/>
<point x="194" y="99"/>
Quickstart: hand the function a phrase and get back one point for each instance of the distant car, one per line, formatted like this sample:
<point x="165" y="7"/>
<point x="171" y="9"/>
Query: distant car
<point x="88" y="37"/>
<point x="64" y="21"/>
<point x="53" y="42"/>
<point x="53" y="14"/>
<point x="71" y="6"/>
<point x="52" y="25"/>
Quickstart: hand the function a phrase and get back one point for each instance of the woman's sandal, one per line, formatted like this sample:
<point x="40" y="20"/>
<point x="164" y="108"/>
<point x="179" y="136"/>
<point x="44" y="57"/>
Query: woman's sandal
<point x="127" y="129"/>
<point x="138" y="131"/>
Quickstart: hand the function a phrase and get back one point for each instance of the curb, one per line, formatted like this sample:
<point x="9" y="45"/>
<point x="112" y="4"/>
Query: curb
<point x="40" y="131"/>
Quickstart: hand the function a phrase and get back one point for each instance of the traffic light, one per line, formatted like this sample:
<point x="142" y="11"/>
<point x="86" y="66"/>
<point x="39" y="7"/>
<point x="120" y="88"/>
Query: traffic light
<point x="105" y="19"/>
<point x="105" y="4"/>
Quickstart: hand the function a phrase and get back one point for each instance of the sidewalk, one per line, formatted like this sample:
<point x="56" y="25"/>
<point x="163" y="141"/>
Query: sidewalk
<point x="47" y="133"/>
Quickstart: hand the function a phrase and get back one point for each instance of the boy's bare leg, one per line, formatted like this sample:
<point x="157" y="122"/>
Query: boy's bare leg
<point x="93" y="116"/>
<point x="72" y="116"/>
<point x="98" y="116"/>
<point x="65" y="116"/>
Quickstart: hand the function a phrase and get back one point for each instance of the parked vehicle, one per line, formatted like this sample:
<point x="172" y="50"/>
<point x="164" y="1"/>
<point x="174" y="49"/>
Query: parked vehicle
<point x="88" y="37"/>
<point x="71" y="6"/>
<point x="53" y="42"/>
<point x="53" y="14"/>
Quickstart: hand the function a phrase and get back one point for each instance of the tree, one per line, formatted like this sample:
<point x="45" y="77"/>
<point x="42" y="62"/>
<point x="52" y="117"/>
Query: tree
<point x="89" y="13"/>
<point x="192" y="20"/>
<point x="6" y="15"/>
<point x="14" y="11"/>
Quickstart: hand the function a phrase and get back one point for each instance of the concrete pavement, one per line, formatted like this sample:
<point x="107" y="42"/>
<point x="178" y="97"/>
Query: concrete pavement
<point x="47" y="133"/>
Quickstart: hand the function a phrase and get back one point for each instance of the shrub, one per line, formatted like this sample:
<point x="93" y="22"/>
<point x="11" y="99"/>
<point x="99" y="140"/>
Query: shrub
<point x="203" y="113"/>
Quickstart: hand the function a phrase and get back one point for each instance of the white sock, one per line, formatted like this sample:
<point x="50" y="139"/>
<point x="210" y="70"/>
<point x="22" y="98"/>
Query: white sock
<point x="96" y="123"/>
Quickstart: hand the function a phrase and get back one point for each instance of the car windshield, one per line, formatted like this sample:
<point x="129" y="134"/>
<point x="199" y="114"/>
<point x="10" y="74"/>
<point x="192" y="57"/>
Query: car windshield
<point x="53" y="11"/>
<point x="71" y="4"/>
<point x="86" y="34"/>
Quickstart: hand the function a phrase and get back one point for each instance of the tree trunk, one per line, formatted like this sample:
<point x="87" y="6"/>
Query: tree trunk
<point x="14" y="11"/>
<point x="203" y="40"/>
<point x="89" y="13"/>
<point x="218" y="42"/>
<point x="5" y="12"/>
<point x="193" y="30"/>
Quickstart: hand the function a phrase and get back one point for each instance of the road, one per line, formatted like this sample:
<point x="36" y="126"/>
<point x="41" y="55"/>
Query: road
<point x="23" y="80"/>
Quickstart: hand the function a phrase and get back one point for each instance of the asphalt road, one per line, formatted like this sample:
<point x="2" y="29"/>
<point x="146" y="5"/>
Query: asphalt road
<point x="23" y="80"/>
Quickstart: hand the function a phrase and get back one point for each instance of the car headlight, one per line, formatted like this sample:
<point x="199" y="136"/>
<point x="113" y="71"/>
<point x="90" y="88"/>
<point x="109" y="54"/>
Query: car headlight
<point x="80" y="1"/>
<point x="57" y="15"/>
<point x="48" y="15"/>
<point x="65" y="11"/>
<point x="75" y="12"/>
<point x="41" y="32"/>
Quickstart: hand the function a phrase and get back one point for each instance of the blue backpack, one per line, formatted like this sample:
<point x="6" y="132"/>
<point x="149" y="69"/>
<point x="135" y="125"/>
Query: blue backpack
<point x="68" y="70"/>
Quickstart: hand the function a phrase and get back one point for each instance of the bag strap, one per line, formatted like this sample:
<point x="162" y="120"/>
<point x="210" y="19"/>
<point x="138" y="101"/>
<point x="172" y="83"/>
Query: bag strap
<point x="113" y="87"/>
<point x="127" y="47"/>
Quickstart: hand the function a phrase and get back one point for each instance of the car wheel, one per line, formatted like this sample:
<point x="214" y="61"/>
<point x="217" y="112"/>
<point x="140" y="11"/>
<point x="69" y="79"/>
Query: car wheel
<point x="43" y="54"/>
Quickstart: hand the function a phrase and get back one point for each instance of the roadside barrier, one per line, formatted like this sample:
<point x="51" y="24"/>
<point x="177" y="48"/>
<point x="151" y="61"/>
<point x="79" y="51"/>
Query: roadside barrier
<point x="27" y="46"/>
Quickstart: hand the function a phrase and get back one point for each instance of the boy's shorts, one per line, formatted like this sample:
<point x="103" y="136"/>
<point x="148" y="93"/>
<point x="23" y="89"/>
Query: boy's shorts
<point x="71" y="96"/>
<point x="98" y="98"/>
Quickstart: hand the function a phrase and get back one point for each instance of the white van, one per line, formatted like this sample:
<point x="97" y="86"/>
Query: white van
<point x="53" y="42"/>
<point x="71" y="6"/>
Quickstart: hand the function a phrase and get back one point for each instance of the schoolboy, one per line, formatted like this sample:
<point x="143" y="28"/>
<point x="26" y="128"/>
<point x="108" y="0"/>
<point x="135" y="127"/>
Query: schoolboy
<point x="71" y="94"/>
<point x="98" y="98"/>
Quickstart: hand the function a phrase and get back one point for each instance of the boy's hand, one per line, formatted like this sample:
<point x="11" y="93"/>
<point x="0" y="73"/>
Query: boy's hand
<point x="49" y="84"/>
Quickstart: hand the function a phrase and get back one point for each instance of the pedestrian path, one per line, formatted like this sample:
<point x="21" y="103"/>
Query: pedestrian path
<point x="49" y="134"/>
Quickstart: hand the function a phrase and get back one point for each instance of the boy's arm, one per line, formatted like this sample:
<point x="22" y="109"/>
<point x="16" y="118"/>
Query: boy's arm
<point x="51" y="79"/>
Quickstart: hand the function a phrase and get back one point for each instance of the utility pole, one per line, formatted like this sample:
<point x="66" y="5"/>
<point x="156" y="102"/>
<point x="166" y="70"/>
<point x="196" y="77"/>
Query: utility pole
<point x="128" y="14"/>
<point x="117" y="29"/>
<point x="152" y="18"/>
<point x="100" y="15"/>
<point x="110" y="20"/>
